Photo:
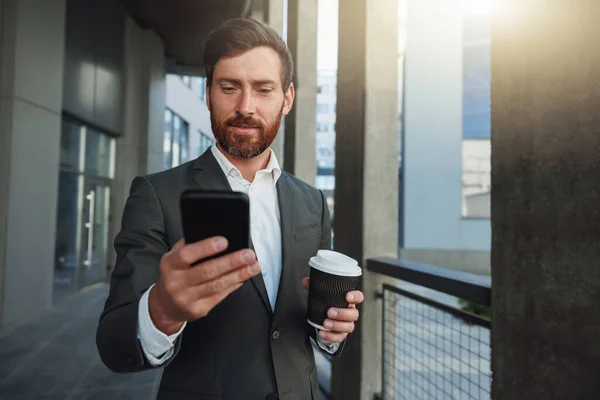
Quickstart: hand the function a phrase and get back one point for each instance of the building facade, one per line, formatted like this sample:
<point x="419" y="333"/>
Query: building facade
<point x="91" y="98"/>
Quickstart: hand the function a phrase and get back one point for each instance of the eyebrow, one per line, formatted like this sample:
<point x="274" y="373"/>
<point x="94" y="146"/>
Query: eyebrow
<point x="257" y="82"/>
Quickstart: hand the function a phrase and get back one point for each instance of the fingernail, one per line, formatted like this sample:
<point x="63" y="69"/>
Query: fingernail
<point x="254" y="268"/>
<point x="247" y="256"/>
<point x="220" y="243"/>
<point x="332" y="313"/>
<point x="327" y="324"/>
<point x="350" y="297"/>
<point x="322" y="334"/>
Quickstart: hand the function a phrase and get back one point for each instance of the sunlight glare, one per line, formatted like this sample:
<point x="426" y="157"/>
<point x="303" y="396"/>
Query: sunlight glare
<point x="477" y="7"/>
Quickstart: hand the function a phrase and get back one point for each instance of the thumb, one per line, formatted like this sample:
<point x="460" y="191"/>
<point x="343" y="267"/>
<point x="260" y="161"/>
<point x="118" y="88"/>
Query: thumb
<point x="306" y="283"/>
<point x="180" y="243"/>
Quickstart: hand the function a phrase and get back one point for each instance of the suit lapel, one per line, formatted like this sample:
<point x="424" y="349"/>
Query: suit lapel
<point x="285" y="195"/>
<point x="210" y="176"/>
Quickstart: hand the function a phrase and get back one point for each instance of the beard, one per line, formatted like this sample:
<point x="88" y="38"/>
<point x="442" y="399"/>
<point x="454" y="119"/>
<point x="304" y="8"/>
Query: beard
<point x="244" y="146"/>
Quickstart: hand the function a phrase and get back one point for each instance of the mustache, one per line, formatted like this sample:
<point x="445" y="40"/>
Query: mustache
<point x="244" y="122"/>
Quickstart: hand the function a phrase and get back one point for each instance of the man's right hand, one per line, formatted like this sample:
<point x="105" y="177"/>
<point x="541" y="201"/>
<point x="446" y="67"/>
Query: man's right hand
<point x="185" y="293"/>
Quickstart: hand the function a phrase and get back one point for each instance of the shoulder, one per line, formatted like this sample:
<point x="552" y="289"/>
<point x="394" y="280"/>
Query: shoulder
<point x="303" y="188"/>
<point x="172" y="178"/>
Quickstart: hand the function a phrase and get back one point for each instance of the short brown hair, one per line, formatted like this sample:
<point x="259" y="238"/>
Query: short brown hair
<point x="239" y="35"/>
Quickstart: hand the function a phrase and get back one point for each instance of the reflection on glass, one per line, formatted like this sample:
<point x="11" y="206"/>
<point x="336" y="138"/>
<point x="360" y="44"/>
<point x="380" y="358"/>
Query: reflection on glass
<point x="98" y="149"/>
<point x="204" y="142"/>
<point x="87" y="164"/>
<point x="183" y="147"/>
<point x="70" y="144"/>
<point x="175" y="146"/>
<point x="67" y="234"/>
<point x="94" y="233"/>
<point x="476" y="148"/>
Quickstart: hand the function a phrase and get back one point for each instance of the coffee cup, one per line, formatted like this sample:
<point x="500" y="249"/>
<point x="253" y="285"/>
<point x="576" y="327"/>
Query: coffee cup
<point x="332" y="276"/>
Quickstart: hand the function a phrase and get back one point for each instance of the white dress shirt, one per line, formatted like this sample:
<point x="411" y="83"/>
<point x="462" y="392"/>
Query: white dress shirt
<point x="266" y="238"/>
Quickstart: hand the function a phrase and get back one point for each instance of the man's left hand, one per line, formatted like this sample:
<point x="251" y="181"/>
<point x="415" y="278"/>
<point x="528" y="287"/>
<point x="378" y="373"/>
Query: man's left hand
<point x="340" y="321"/>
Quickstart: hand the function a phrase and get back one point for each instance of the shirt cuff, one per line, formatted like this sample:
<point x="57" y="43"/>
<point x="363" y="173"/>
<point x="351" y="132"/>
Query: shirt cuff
<point x="329" y="347"/>
<point x="157" y="346"/>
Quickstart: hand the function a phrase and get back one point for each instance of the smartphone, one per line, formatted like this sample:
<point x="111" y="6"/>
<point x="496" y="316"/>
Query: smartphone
<point x="205" y="214"/>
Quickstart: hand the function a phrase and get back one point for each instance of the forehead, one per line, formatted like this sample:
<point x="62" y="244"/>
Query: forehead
<point x="258" y="64"/>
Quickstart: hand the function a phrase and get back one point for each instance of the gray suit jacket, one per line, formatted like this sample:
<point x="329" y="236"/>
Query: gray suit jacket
<point x="241" y="350"/>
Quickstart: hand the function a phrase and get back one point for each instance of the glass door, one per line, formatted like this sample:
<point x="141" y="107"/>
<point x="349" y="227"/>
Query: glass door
<point x="94" y="232"/>
<point x="83" y="214"/>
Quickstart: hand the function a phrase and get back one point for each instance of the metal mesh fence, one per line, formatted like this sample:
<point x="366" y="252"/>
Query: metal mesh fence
<point x="432" y="351"/>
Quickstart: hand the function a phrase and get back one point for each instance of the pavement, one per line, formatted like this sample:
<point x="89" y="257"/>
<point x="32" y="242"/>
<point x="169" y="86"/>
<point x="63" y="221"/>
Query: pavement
<point x="54" y="357"/>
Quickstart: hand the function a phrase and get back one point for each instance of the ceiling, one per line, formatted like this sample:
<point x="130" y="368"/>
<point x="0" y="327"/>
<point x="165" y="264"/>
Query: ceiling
<point x="184" y="26"/>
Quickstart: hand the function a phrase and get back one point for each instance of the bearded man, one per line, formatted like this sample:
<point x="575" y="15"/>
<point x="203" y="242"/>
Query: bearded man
<point x="234" y="327"/>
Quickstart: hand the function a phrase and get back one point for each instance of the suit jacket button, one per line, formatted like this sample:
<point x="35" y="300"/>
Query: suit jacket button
<point x="130" y="360"/>
<point x="275" y="336"/>
<point x="273" y="397"/>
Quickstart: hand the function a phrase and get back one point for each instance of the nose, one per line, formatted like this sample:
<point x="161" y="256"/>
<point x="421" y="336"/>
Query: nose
<point x="245" y="104"/>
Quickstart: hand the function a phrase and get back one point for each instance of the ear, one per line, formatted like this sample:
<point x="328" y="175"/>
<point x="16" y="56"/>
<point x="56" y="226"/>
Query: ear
<point x="288" y="100"/>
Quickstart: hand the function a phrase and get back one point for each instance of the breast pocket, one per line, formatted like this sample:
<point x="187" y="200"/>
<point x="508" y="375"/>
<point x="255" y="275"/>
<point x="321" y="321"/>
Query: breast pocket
<point x="307" y="232"/>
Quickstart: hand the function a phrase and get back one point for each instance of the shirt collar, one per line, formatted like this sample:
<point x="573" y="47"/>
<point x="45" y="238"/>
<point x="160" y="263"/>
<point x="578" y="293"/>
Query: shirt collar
<point x="228" y="168"/>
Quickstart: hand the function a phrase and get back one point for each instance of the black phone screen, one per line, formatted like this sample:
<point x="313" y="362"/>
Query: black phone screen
<point x="205" y="214"/>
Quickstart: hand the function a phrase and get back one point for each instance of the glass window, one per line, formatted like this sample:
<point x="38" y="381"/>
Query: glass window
<point x="99" y="148"/>
<point x="70" y="146"/>
<point x="476" y="146"/>
<point x="322" y="127"/>
<point x="168" y="139"/>
<point x="322" y="108"/>
<point x="86" y="150"/>
<point x="202" y="89"/>
<point x="186" y="80"/>
<point x="175" y="146"/>
<point x="204" y="142"/>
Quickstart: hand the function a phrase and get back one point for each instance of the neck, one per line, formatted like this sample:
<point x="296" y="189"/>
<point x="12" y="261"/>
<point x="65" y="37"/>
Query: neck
<point x="248" y="166"/>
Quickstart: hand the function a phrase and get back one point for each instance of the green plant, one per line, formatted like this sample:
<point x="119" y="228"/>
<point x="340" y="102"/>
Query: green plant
<point x="474" y="308"/>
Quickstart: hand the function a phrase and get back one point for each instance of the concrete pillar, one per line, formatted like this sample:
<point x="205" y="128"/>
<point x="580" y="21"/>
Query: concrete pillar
<point x="300" y="146"/>
<point x="545" y="199"/>
<point x="366" y="190"/>
<point x="31" y="86"/>
<point x="140" y="150"/>
<point x="275" y="17"/>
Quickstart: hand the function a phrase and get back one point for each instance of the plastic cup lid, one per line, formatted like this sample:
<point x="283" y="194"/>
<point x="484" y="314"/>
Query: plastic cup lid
<point x="335" y="263"/>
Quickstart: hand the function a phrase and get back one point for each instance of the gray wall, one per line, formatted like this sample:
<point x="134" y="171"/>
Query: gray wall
<point x="31" y="79"/>
<point x="139" y="150"/>
<point x="94" y="57"/>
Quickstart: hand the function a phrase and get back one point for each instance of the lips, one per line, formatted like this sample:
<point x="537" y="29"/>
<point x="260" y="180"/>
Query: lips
<point x="244" y="130"/>
<point x="244" y="126"/>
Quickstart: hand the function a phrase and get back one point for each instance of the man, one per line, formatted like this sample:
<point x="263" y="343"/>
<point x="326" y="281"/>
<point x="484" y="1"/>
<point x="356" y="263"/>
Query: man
<point x="233" y="328"/>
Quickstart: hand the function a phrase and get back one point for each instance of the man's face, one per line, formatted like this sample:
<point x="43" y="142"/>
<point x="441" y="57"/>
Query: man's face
<point x="246" y="101"/>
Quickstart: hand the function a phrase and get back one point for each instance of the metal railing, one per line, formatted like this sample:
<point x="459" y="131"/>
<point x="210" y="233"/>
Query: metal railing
<point x="433" y="346"/>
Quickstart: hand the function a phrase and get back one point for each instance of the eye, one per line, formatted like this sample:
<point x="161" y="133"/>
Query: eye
<point x="227" y="89"/>
<point x="265" y="91"/>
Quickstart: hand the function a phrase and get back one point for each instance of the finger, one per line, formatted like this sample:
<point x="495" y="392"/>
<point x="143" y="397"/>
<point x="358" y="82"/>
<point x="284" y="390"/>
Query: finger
<point x="338" y="326"/>
<point x="225" y="282"/>
<point x="188" y="254"/>
<point x="306" y="283"/>
<point x="343" y="314"/>
<point x="180" y="243"/>
<point x="355" y="297"/>
<point x="333" y="336"/>
<point x="217" y="267"/>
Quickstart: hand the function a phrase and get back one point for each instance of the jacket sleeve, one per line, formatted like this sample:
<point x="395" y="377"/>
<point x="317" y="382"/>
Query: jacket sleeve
<point x="139" y="245"/>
